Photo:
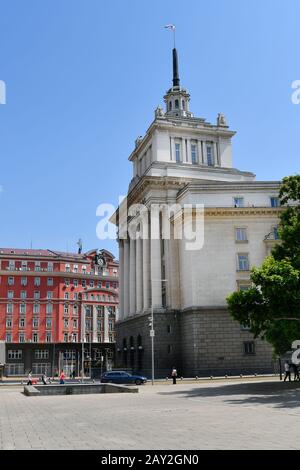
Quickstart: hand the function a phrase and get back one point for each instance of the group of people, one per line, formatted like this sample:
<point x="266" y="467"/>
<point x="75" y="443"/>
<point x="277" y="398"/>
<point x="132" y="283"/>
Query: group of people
<point x="46" y="379"/>
<point x="288" y="368"/>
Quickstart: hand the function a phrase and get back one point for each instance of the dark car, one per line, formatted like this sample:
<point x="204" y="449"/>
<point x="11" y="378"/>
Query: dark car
<point x="121" y="377"/>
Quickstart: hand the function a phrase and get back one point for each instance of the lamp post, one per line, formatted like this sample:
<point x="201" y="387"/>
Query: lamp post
<point x="152" y="332"/>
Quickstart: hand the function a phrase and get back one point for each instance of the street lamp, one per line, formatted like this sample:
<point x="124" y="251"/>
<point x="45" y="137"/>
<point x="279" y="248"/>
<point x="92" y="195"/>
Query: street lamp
<point x="152" y="326"/>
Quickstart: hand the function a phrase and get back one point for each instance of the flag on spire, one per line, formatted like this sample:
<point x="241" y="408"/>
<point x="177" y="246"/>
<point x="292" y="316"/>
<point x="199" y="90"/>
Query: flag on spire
<point x="170" y="26"/>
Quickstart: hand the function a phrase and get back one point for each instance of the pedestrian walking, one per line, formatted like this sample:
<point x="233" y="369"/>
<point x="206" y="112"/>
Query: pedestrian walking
<point x="44" y="379"/>
<point x="174" y="375"/>
<point x="29" y="378"/>
<point x="62" y="378"/>
<point x="287" y="371"/>
<point x="296" y="371"/>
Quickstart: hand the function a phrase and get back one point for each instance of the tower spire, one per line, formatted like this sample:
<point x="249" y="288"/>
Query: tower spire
<point x="176" y="79"/>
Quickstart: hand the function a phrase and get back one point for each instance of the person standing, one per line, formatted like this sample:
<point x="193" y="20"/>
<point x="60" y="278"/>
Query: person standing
<point x="29" y="378"/>
<point x="287" y="371"/>
<point x="62" y="378"/>
<point x="296" y="371"/>
<point x="174" y="375"/>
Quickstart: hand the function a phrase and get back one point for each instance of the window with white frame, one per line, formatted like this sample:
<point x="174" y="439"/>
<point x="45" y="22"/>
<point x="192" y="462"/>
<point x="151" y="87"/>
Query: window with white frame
<point x="23" y="294"/>
<point x="23" y="265"/>
<point x="84" y="269"/>
<point x="37" y="266"/>
<point x="76" y="296"/>
<point x="9" y="322"/>
<point x="37" y="294"/>
<point x="49" y="295"/>
<point x="37" y="281"/>
<point x="49" y="308"/>
<point x="68" y="268"/>
<point x="91" y="283"/>
<point x="75" y="309"/>
<point x="75" y="323"/>
<point x="35" y="338"/>
<point x="210" y="154"/>
<point x="11" y="265"/>
<point x="48" y="337"/>
<point x="41" y="354"/>
<point x="194" y="152"/>
<point x="66" y="296"/>
<point x="36" y="308"/>
<point x="50" y="281"/>
<point x="75" y="268"/>
<point x="10" y="281"/>
<point x="178" y="152"/>
<point x="66" y="323"/>
<point x="10" y="294"/>
<point x="67" y="282"/>
<point x="35" y="322"/>
<point x="22" y="323"/>
<point x="8" y="337"/>
<point x="249" y="348"/>
<point x="50" y="267"/>
<point x="10" y="308"/>
<point x="66" y="309"/>
<point x="23" y="281"/>
<point x="75" y="282"/>
<point x="48" y="323"/>
<point x="22" y="338"/>
<point x="22" y="308"/>
<point x="83" y="283"/>
<point x="66" y="337"/>
<point x="241" y="234"/>
<point x="243" y="261"/>
<point x="14" y="354"/>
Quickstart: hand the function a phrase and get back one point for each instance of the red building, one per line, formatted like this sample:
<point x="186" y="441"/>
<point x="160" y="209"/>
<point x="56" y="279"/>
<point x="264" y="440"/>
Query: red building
<point x="57" y="310"/>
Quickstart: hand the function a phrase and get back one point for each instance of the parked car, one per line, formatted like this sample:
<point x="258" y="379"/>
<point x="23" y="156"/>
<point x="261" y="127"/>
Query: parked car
<point x="122" y="377"/>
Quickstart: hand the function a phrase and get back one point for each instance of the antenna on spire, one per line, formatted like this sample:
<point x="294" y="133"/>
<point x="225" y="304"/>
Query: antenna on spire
<point x="172" y="28"/>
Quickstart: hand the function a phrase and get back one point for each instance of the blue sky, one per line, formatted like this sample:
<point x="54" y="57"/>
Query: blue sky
<point x="84" y="76"/>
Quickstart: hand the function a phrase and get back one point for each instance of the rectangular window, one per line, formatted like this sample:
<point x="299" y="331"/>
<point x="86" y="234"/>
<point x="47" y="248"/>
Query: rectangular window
<point x="14" y="369"/>
<point x="50" y="267"/>
<point x="66" y="309"/>
<point x="66" y="323"/>
<point x="75" y="323"/>
<point x="14" y="354"/>
<point x="37" y="281"/>
<point x="67" y="282"/>
<point x="10" y="281"/>
<point x="210" y="155"/>
<point x="8" y="322"/>
<point x="11" y="266"/>
<point x="275" y="233"/>
<point x="275" y="201"/>
<point x="66" y="295"/>
<point x="23" y="265"/>
<point x="66" y="337"/>
<point x="49" y="295"/>
<point x="23" y="294"/>
<point x="68" y="268"/>
<point x="243" y="262"/>
<point x="178" y="152"/>
<point x="37" y="295"/>
<point x="36" y="308"/>
<point x="249" y="348"/>
<point x="41" y="353"/>
<point x="83" y="283"/>
<point x="48" y="323"/>
<point x="75" y="282"/>
<point x="50" y="281"/>
<point x="10" y="294"/>
<point x="241" y="235"/>
<point x="91" y="283"/>
<point x="35" y="338"/>
<point x="75" y="295"/>
<point x="8" y="337"/>
<point x="9" y="308"/>
<point x="75" y="310"/>
<point x="35" y="323"/>
<point x="49" y="308"/>
<point x="22" y="308"/>
<point x="22" y="338"/>
<point x="22" y="323"/>
<point x="244" y="287"/>
<point x="23" y="281"/>
<point x="194" y="153"/>
<point x="41" y="368"/>
<point x="48" y="337"/>
<point x="37" y="266"/>
<point x="238" y="201"/>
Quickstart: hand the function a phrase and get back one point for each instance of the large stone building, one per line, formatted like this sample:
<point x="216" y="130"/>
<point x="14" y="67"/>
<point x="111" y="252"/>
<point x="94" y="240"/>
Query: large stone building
<point x="185" y="161"/>
<point x="57" y="310"/>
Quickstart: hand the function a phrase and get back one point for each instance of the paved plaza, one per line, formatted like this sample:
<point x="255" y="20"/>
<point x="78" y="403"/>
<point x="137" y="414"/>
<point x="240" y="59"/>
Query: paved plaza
<point x="232" y="414"/>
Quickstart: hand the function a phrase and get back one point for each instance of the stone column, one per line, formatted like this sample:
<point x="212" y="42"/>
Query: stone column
<point x="139" y="275"/>
<point x="216" y="162"/>
<point x="120" y="315"/>
<point x="95" y="336"/>
<point x="155" y="243"/>
<point x="126" y="278"/>
<point x="204" y="152"/>
<point x="132" y="279"/>
<point x="105" y="324"/>
<point x="146" y="273"/>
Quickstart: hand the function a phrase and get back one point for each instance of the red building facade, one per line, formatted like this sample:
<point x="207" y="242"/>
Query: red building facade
<point x="49" y="297"/>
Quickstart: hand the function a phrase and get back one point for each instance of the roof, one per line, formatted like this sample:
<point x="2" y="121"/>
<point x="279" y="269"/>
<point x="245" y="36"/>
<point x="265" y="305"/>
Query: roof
<point x="36" y="253"/>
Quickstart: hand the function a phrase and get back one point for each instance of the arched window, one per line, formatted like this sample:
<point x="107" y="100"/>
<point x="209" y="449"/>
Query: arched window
<point x="176" y="104"/>
<point x="170" y="105"/>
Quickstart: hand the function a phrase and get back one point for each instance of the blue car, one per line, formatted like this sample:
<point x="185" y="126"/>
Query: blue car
<point x="121" y="377"/>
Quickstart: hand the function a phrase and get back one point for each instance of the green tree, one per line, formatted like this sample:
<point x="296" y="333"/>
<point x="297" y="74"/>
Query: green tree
<point x="271" y="307"/>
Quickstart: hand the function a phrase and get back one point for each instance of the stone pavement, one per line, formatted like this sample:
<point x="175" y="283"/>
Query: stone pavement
<point x="225" y="415"/>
